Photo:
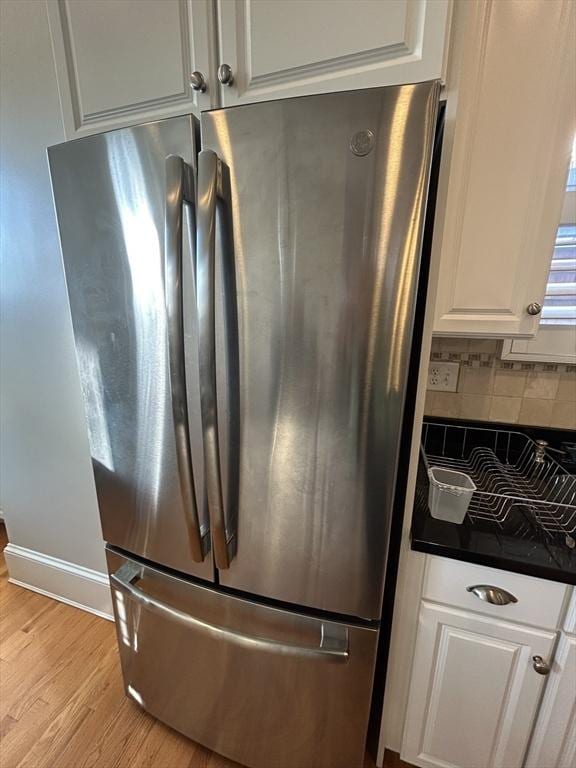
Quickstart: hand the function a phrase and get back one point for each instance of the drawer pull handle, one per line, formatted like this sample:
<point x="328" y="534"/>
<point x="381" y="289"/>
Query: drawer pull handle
<point x="492" y="595"/>
<point x="541" y="666"/>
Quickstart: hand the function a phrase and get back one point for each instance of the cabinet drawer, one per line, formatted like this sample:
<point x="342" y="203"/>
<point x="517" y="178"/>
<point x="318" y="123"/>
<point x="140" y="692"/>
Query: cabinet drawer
<point x="539" y="603"/>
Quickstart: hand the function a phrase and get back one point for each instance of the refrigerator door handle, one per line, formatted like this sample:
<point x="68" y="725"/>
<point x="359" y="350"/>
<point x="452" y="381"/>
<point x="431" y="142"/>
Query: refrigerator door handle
<point x="209" y="189"/>
<point x="333" y="645"/>
<point x="179" y="190"/>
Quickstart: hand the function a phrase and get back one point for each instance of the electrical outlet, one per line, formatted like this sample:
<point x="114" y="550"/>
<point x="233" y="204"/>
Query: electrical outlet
<point x="443" y="376"/>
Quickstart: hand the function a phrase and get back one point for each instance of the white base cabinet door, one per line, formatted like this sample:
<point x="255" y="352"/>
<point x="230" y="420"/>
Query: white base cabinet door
<point x="554" y="742"/>
<point x="474" y="692"/>
<point x="280" y="48"/>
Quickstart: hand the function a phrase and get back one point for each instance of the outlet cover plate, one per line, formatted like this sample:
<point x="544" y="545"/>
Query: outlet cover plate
<point x="443" y="377"/>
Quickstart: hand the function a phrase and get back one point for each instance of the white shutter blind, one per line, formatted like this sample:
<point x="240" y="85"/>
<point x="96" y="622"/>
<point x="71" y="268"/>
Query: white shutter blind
<point x="560" y="303"/>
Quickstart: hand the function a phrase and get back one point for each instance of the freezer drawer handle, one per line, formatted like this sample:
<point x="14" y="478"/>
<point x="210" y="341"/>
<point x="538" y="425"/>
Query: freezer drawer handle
<point x="210" y="170"/>
<point x="333" y="644"/>
<point x="179" y="190"/>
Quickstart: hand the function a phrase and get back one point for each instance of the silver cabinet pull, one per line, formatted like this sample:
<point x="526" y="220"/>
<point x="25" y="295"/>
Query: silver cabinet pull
<point x="493" y="595"/>
<point x="332" y="646"/>
<point x="225" y="74"/>
<point x="541" y="666"/>
<point x="179" y="190"/>
<point x="198" y="81"/>
<point x="534" y="308"/>
<point x="209" y="188"/>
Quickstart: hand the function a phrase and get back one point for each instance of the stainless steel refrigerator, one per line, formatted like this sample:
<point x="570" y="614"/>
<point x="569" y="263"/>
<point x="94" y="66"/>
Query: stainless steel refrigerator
<point x="243" y="319"/>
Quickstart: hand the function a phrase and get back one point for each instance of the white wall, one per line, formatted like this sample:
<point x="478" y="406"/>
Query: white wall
<point x="47" y="489"/>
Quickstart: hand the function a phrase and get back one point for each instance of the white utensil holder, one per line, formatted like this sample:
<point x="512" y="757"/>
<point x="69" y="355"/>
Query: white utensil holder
<point x="450" y="493"/>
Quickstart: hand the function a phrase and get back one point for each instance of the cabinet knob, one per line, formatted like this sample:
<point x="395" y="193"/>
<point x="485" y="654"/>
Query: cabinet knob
<point x="541" y="666"/>
<point x="493" y="595"/>
<point x="197" y="81"/>
<point x="225" y="74"/>
<point x="534" y="308"/>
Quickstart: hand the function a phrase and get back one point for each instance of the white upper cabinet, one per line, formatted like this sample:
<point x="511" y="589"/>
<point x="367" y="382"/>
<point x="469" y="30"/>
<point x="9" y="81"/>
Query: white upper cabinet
<point x="280" y="48"/>
<point x="121" y="62"/>
<point x="511" y="121"/>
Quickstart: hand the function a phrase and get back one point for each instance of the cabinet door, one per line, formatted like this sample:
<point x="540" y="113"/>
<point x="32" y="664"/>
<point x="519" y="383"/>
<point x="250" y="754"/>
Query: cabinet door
<point x="279" y="48"/>
<point x="121" y="62"/>
<point x="474" y="691"/>
<point x="554" y="741"/>
<point x="512" y="124"/>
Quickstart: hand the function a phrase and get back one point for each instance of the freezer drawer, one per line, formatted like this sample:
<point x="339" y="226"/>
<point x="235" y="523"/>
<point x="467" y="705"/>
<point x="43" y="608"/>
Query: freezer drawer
<point x="263" y="686"/>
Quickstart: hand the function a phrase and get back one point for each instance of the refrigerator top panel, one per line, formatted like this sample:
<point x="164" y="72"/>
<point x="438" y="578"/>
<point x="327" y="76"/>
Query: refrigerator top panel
<point x="328" y="196"/>
<point x="111" y="199"/>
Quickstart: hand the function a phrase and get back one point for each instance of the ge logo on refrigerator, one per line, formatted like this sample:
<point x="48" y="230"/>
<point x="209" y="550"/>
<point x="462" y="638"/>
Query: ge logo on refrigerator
<point x="362" y="143"/>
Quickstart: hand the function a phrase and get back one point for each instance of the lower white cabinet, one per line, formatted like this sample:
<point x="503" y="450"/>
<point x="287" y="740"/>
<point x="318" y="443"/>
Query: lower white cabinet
<point x="474" y="691"/>
<point x="554" y="742"/>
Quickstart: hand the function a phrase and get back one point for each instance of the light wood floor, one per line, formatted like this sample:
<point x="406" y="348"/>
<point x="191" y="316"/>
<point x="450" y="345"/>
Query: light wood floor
<point x="61" y="698"/>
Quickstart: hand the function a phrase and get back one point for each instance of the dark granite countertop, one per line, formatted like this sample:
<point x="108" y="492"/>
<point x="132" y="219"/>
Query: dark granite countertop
<point x="490" y="544"/>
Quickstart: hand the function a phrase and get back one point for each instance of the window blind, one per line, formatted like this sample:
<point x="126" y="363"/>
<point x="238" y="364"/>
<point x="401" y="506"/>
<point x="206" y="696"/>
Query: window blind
<point x="559" y="306"/>
<point x="560" y="303"/>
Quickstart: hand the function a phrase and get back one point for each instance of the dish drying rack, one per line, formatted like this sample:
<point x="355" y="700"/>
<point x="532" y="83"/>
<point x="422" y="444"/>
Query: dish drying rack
<point x="520" y="487"/>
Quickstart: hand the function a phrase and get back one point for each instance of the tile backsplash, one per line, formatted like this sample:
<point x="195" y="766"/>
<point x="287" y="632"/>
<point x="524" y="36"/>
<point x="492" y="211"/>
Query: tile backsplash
<point x="491" y="389"/>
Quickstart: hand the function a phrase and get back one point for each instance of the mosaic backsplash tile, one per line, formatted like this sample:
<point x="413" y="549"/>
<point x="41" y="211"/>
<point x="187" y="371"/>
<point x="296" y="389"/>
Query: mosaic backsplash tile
<point x="491" y="389"/>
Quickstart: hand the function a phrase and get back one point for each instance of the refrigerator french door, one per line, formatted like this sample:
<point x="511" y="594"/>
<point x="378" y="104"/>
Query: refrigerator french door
<point x="243" y="319"/>
<point x="126" y="226"/>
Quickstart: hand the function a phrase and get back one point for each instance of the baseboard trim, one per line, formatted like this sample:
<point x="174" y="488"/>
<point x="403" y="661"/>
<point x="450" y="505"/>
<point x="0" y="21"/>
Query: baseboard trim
<point x="59" y="579"/>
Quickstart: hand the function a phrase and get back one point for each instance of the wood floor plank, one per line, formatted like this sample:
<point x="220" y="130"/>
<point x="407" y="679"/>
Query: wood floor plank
<point x="164" y="747"/>
<point x="35" y="629"/>
<point x="62" y="703"/>
<point x="18" y="606"/>
<point x="6" y="725"/>
<point x="95" y="744"/>
<point x="41" y="753"/>
<point x="29" y="657"/>
<point x="69" y="715"/>
<point x="58" y="667"/>
<point x="20" y="739"/>
<point x="50" y="633"/>
<point x="11" y="648"/>
<point x="119" y="745"/>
